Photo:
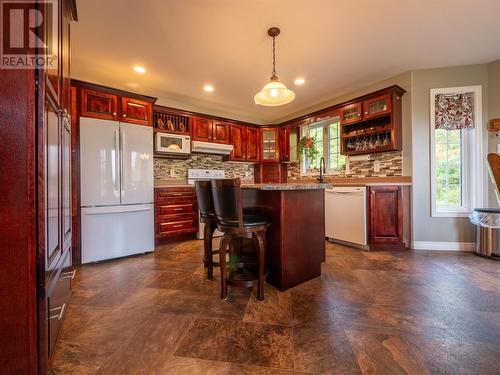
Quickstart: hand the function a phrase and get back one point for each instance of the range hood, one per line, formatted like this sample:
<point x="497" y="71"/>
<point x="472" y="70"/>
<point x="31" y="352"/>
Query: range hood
<point x="211" y="148"/>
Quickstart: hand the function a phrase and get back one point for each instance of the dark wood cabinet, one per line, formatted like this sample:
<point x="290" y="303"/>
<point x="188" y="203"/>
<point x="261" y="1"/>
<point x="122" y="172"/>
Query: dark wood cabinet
<point x="351" y="113"/>
<point x="238" y="140"/>
<point x="220" y="132"/>
<point x="270" y="173"/>
<point x="377" y="106"/>
<point x="98" y="104"/>
<point x="252" y="144"/>
<point x="202" y="129"/>
<point x="136" y="111"/>
<point x="284" y="136"/>
<point x="389" y="217"/>
<point x="207" y="130"/>
<point x="176" y="214"/>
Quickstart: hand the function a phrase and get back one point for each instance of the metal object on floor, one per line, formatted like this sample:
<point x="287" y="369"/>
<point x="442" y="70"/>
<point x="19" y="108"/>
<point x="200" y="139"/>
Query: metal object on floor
<point x="487" y="221"/>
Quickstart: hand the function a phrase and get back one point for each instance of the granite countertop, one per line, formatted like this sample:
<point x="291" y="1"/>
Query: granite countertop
<point x="288" y="186"/>
<point x="367" y="181"/>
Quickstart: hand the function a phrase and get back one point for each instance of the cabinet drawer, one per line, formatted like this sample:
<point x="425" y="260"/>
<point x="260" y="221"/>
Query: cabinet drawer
<point x="176" y="209"/>
<point x="58" y="299"/>
<point x="175" y="193"/>
<point x="176" y="226"/>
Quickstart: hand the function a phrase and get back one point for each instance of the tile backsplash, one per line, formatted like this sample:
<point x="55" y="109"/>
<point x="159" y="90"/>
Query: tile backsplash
<point x="175" y="169"/>
<point x="391" y="164"/>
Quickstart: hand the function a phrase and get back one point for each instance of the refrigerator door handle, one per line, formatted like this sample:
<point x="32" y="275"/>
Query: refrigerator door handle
<point x="122" y="143"/>
<point x="107" y="211"/>
<point x="117" y="176"/>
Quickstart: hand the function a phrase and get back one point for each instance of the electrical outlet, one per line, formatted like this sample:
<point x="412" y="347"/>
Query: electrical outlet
<point x="498" y="148"/>
<point x="376" y="166"/>
<point x="172" y="172"/>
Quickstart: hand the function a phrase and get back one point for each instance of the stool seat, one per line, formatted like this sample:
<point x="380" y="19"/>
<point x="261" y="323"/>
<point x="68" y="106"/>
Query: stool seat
<point x="248" y="221"/>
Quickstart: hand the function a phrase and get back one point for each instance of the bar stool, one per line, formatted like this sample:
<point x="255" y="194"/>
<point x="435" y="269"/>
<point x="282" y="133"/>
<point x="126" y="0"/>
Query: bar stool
<point x="207" y="216"/>
<point x="235" y="225"/>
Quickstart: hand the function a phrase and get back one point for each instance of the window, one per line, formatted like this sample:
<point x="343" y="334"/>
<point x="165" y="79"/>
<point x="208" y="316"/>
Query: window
<point x="328" y="140"/>
<point x="456" y="155"/>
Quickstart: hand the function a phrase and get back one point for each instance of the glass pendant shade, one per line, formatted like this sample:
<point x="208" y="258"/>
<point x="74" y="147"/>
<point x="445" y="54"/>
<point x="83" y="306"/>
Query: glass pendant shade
<point x="274" y="93"/>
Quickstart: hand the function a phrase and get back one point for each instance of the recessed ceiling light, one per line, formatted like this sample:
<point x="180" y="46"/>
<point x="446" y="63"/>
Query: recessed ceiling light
<point x="300" y="81"/>
<point x="139" y="69"/>
<point x="208" y="88"/>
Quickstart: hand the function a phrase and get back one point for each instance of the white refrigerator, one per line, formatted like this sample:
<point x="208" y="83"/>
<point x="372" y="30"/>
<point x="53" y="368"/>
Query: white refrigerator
<point x="116" y="181"/>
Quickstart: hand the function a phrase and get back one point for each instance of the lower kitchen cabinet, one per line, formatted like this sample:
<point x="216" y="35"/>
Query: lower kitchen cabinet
<point x="176" y="214"/>
<point x="389" y="218"/>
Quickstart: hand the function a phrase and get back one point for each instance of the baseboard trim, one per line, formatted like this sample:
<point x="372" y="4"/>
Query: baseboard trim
<point x="443" y="246"/>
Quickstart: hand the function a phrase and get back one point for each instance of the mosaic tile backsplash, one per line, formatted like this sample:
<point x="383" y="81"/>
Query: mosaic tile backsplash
<point x="391" y="164"/>
<point x="174" y="169"/>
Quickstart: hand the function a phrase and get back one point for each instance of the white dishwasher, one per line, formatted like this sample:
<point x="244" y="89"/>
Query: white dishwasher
<point x="345" y="215"/>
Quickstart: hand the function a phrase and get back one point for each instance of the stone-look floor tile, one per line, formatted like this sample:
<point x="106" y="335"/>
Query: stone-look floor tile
<point x="385" y="354"/>
<point x="192" y="366"/>
<point x="275" y="309"/>
<point x="258" y="370"/>
<point x="321" y="349"/>
<point x="149" y="349"/>
<point x="182" y="281"/>
<point x="239" y="342"/>
<point x="78" y="358"/>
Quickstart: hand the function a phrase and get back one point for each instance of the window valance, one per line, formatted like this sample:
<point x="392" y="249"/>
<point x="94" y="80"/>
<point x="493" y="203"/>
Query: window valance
<point x="454" y="111"/>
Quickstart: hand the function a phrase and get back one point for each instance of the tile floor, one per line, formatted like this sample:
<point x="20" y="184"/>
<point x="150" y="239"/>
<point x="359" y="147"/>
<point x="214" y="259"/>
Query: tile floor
<point x="369" y="313"/>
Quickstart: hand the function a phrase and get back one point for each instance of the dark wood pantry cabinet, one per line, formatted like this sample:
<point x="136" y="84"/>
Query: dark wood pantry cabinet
<point x="35" y="204"/>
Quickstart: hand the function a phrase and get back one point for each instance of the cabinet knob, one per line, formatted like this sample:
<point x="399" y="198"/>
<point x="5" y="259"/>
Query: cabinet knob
<point x="124" y="115"/>
<point x="114" y="113"/>
<point x="366" y="113"/>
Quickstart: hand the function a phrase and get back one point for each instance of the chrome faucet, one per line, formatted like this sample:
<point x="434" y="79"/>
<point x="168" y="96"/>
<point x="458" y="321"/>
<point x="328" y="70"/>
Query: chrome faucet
<point x="322" y="169"/>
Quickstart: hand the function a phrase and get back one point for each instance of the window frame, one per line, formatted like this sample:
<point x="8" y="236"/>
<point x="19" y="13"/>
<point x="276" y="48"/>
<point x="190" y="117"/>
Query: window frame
<point x="471" y="152"/>
<point x="324" y="123"/>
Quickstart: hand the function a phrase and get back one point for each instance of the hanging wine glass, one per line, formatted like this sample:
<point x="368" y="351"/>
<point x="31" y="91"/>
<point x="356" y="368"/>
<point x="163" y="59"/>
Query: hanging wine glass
<point x="378" y="143"/>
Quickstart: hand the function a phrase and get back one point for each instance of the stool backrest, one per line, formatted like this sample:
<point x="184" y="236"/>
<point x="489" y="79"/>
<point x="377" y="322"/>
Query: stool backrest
<point x="227" y="202"/>
<point x="494" y="169"/>
<point x="204" y="197"/>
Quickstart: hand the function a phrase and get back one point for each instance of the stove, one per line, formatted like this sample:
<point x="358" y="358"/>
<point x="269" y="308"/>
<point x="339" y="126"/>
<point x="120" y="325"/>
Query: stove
<point x="205" y="174"/>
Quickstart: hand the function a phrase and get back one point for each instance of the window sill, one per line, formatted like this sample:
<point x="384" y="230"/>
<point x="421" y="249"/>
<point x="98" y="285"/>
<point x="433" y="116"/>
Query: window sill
<point x="464" y="213"/>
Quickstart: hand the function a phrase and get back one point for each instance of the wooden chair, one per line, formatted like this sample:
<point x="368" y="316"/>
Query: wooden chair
<point x="207" y="216"/>
<point x="235" y="225"/>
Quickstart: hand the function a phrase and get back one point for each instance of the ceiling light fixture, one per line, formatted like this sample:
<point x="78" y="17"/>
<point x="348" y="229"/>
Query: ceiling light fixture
<point x="208" y="88"/>
<point x="274" y="93"/>
<point x="139" y="69"/>
<point x="300" y="81"/>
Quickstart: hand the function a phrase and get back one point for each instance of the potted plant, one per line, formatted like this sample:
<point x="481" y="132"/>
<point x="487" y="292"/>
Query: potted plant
<point x="307" y="148"/>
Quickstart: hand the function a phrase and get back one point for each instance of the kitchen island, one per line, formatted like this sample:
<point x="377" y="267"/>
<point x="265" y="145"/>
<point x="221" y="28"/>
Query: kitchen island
<point x="295" y="245"/>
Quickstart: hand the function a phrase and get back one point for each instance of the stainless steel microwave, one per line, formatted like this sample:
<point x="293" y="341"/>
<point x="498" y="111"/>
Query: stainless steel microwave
<point x="173" y="144"/>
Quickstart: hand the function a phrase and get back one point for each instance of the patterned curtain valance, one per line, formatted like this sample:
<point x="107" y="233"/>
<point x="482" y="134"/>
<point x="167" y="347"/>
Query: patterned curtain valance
<point x="454" y="111"/>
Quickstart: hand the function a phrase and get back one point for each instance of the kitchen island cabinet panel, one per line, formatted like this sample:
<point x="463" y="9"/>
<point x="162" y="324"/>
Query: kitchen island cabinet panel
<point x="295" y="239"/>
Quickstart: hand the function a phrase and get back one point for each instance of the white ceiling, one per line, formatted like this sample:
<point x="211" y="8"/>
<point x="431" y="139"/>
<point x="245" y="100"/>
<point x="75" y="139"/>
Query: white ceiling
<point x="337" y="46"/>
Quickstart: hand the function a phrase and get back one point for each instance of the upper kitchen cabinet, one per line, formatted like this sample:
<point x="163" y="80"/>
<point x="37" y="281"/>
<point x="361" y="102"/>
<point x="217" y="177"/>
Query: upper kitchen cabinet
<point x="110" y="104"/>
<point x="378" y="106"/>
<point x="220" y="132"/>
<point x="269" y="145"/>
<point x="137" y="111"/>
<point x="351" y="113"/>
<point x="238" y="140"/>
<point x="284" y="133"/>
<point x="207" y="130"/>
<point x="202" y="129"/>
<point x="252" y="144"/>
<point x="245" y="141"/>
<point x="98" y="104"/>
<point x="379" y="128"/>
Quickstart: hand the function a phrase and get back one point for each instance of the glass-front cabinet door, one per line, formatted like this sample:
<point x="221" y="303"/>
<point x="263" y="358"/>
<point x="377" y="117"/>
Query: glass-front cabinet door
<point x="270" y="145"/>
<point x="377" y="106"/>
<point x="351" y="113"/>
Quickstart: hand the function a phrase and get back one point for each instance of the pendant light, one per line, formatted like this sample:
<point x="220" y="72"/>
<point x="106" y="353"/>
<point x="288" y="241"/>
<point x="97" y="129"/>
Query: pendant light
<point x="274" y="93"/>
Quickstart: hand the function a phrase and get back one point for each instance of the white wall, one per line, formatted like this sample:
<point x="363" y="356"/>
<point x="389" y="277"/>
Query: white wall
<point x="493" y="112"/>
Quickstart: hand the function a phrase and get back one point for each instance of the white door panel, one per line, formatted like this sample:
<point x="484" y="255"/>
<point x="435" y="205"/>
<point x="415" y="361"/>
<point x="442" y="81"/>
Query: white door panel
<point x="113" y="232"/>
<point x="99" y="162"/>
<point x="137" y="163"/>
